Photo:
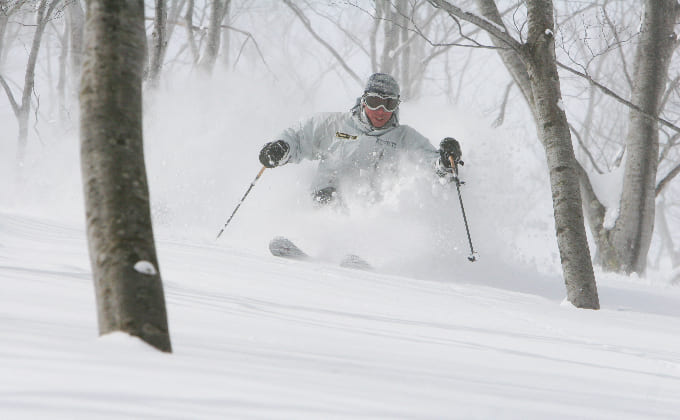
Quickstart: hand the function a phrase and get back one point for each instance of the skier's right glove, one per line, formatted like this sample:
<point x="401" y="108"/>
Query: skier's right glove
<point x="449" y="147"/>
<point x="273" y="153"/>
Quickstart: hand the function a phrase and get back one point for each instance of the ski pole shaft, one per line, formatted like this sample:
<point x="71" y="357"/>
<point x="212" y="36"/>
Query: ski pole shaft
<point x="252" y="184"/>
<point x="454" y="165"/>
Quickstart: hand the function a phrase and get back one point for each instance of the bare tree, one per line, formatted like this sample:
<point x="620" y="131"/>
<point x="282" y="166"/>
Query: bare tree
<point x="218" y="10"/>
<point x="533" y="66"/>
<point x="7" y="9"/>
<point x="305" y="21"/>
<point x="122" y="251"/>
<point x="75" y="17"/>
<point x="625" y="246"/>
<point x="160" y="42"/>
<point x="22" y="108"/>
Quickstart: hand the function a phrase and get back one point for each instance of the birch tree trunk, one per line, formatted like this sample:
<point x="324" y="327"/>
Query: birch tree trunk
<point x="159" y="37"/>
<point x="553" y="131"/>
<point x="405" y="62"/>
<point x="534" y="68"/>
<point x="22" y="109"/>
<point x="128" y="285"/>
<point x="189" y="23"/>
<point x="391" y="34"/>
<point x="75" y="17"/>
<point x="212" y="47"/>
<point x="632" y="232"/>
<point x="226" y="36"/>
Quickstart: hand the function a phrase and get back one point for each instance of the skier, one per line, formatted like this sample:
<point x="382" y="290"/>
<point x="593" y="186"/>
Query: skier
<point x="358" y="146"/>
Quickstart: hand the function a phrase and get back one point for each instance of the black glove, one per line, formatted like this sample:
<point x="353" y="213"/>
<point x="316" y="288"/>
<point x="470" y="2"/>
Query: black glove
<point x="273" y="153"/>
<point x="324" y="195"/>
<point x="449" y="147"/>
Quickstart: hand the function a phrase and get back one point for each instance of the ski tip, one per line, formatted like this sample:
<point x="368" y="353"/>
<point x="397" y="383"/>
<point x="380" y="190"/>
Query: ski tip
<point x="355" y="262"/>
<point x="284" y="247"/>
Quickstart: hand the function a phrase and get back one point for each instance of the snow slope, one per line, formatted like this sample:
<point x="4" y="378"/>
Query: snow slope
<point x="428" y="335"/>
<point x="259" y="337"/>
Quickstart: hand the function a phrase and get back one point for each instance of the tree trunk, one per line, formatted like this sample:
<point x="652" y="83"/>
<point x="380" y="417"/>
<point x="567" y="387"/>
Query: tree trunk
<point x="128" y="285"/>
<point x="534" y="68"/>
<point x="75" y="17"/>
<point x="29" y="78"/>
<point x="61" y="83"/>
<point x="406" y="83"/>
<point x="212" y="47"/>
<point x="553" y="131"/>
<point x="4" y="19"/>
<point x="191" y="39"/>
<point x="226" y="36"/>
<point x="632" y="233"/>
<point x="511" y="58"/>
<point x="391" y="39"/>
<point x="373" y="36"/>
<point x="159" y="42"/>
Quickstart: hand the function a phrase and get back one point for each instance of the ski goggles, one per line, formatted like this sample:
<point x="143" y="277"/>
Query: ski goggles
<point x="373" y="101"/>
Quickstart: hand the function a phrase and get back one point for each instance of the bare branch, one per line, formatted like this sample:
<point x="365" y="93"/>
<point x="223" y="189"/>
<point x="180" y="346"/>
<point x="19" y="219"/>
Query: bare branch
<point x="614" y="95"/>
<point x="12" y="101"/>
<point x="250" y="37"/>
<point x="316" y="36"/>
<point x="497" y="31"/>
<point x="585" y="149"/>
<point x="501" y="115"/>
<point x="666" y="180"/>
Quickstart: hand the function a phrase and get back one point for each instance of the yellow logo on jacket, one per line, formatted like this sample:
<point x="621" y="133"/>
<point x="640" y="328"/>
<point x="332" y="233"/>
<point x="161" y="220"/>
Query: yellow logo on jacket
<point x="345" y="136"/>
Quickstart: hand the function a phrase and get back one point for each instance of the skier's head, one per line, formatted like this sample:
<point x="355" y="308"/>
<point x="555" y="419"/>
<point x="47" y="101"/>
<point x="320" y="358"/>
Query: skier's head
<point x="382" y="84"/>
<point x="380" y="99"/>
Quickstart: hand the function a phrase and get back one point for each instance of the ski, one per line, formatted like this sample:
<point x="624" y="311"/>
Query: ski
<point x="285" y="248"/>
<point x="355" y="262"/>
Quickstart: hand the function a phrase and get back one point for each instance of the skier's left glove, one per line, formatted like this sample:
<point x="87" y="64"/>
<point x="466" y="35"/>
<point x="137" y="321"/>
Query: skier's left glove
<point x="449" y="147"/>
<point x="274" y="153"/>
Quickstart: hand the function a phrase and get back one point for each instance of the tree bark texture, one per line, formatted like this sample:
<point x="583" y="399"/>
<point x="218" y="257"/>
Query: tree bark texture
<point x="44" y="11"/>
<point x="127" y="280"/>
<point x="509" y="52"/>
<point x="159" y="37"/>
<point x="75" y="17"/>
<point x="533" y="67"/>
<point x="212" y="47"/>
<point x="553" y="130"/>
<point x="632" y="233"/>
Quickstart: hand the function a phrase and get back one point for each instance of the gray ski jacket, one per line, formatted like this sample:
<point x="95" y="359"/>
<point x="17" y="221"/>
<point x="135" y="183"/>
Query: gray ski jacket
<point x="352" y="152"/>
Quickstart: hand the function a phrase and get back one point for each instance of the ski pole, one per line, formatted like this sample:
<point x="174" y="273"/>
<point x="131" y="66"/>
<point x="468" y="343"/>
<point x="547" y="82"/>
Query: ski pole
<point x="454" y="165"/>
<point x="252" y="184"/>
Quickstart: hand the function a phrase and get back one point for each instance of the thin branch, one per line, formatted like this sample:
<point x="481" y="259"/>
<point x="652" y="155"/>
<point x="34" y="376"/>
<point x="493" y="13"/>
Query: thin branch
<point x="493" y="29"/>
<point x="669" y="145"/>
<point x="614" y="95"/>
<point x="666" y="180"/>
<point x="501" y="115"/>
<point x="250" y="36"/>
<point x="624" y="65"/>
<point x="10" y="96"/>
<point x="585" y="149"/>
<point x="316" y="36"/>
<point x="334" y="20"/>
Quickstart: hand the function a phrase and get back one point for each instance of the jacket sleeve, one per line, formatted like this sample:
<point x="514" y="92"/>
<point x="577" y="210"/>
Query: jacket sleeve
<point x="420" y="147"/>
<point x="307" y="138"/>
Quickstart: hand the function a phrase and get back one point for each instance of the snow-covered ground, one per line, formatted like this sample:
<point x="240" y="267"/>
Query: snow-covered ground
<point x="259" y="337"/>
<point x="427" y="335"/>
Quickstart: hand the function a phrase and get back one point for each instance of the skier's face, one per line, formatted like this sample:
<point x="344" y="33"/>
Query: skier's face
<point x="379" y="117"/>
